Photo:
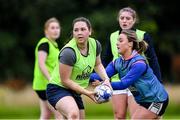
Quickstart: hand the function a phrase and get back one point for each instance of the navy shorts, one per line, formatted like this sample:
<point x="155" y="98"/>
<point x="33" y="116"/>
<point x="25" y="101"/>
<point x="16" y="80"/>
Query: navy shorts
<point x="41" y="94"/>
<point x="55" y="93"/>
<point x="156" y="107"/>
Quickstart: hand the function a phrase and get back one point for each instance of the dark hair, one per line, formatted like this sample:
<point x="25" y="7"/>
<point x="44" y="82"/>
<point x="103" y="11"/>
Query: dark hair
<point x="83" y="19"/>
<point x="139" y="46"/>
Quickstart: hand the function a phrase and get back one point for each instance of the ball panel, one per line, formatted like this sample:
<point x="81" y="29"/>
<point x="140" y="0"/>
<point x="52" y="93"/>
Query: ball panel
<point x="103" y="93"/>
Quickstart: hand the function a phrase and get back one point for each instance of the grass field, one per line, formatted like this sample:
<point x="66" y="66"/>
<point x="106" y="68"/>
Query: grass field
<point x="24" y="105"/>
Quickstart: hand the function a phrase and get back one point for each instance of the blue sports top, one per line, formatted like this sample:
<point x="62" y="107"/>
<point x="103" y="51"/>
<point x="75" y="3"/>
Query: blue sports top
<point x="149" y="53"/>
<point x="136" y="75"/>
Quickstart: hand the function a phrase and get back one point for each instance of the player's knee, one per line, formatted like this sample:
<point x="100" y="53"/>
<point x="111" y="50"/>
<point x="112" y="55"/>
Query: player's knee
<point x="73" y="115"/>
<point x="58" y="116"/>
<point x="119" y="115"/>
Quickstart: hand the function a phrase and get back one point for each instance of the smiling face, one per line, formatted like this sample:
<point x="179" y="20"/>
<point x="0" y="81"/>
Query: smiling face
<point x="81" y="32"/>
<point x="52" y="31"/>
<point x="123" y="45"/>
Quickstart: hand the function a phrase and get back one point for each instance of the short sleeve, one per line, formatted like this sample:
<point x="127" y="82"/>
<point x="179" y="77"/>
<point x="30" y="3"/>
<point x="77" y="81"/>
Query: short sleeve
<point x="67" y="56"/>
<point x="44" y="47"/>
<point x="99" y="48"/>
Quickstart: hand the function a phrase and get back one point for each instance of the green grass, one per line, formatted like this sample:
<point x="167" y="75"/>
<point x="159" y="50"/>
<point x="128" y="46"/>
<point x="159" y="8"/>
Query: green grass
<point x="19" y="112"/>
<point x="25" y="106"/>
<point x="93" y="111"/>
<point x="172" y="111"/>
<point x="104" y="111"/>
<point x="98" y="111"/>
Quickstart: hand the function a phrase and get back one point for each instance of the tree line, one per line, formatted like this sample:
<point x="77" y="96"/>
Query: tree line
<point x="21" y="26"/>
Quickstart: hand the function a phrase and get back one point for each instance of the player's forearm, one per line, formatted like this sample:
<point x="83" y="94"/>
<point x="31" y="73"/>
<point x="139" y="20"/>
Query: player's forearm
<point x="100" y="70"/>
<point x="136" y="71"/>
<point x="74" y="86"/>
<point x="110" y="71"/>
<point x="44" y="71"/>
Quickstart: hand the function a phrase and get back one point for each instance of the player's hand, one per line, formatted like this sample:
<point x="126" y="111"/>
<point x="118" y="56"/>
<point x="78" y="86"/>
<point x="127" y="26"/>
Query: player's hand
<point x="107" y="82"/>
<point x="96" y="83"/>
<point x="91" y="95"/>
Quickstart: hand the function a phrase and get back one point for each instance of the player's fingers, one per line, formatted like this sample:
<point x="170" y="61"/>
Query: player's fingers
<point x="93" y="98"/>
<point x="96" y="83"/>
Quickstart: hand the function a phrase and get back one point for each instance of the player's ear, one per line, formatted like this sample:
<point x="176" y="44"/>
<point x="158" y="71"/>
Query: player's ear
<point x="46" y="32"/>
<point x="130" y="44"/>
<point x="90" y="32"/>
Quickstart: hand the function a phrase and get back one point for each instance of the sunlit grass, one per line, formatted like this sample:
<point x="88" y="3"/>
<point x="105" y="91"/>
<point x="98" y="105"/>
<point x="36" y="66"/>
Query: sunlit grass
<point x="24" y="105"/>
<point x="93" y="111"/>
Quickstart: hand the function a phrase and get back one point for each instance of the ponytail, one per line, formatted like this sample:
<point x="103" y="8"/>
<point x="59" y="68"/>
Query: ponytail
<point x="132" y="37"/>
<point x="142" y="47"/>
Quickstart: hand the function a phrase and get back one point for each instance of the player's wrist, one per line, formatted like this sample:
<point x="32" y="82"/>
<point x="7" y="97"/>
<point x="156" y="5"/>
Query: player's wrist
<point x="106" y="79"/>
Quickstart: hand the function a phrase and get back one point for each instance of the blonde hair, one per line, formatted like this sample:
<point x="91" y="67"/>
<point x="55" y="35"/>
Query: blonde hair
<point x="50" y="20"/>
<point x="140" y="46"/>
<point x="130" y="10"/>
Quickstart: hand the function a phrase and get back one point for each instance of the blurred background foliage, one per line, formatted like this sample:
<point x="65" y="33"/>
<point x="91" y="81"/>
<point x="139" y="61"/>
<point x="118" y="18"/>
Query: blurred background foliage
<point x="22" y="22"/>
